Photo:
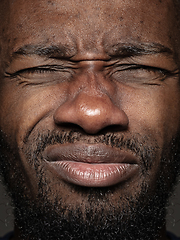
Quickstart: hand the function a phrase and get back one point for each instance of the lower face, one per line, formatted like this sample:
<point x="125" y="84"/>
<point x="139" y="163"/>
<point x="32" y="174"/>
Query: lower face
<point x="73" y="211"/>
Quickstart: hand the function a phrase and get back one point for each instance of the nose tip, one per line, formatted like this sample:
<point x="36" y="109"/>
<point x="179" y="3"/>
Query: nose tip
<point x="91" y="113"/>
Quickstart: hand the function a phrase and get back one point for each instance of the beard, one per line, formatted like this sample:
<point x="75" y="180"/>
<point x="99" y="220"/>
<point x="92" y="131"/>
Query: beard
<point x="135" y="215"/>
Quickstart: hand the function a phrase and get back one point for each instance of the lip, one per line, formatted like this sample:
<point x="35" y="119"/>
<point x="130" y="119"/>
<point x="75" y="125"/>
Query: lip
<point x="90" y="165"/>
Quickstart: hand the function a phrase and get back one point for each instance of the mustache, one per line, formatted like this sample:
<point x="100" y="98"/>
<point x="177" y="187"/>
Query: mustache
<point x="143" y="147"/>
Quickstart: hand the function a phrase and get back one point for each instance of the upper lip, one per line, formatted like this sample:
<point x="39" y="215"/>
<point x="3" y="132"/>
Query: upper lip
<point x="88" y="153"/>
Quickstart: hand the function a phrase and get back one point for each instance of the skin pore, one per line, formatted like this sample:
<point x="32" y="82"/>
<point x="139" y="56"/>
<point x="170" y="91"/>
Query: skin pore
<point x="89" y="80"/>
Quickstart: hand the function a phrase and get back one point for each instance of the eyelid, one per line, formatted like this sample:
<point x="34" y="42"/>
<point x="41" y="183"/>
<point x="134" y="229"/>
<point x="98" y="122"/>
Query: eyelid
<point x="128" y="66"/>
<point x="113" y="66"/>
<point x="48" y="68"/>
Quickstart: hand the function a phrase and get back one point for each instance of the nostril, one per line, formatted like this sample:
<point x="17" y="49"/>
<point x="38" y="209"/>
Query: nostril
<point x="76" y="128"/>
<point x="71" y="126"/>
<point x="114" y="128"/>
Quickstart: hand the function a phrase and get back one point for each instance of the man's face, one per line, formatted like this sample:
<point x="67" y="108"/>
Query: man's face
<point x="90" y="98"/>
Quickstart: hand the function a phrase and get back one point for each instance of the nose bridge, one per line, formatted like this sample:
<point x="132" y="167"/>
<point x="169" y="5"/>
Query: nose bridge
<point x="91" y="80"/>
<point x="90" y="103"/>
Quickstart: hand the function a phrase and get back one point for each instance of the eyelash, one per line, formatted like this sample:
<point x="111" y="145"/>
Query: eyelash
<point x="131" y="67"/>
<point x="123" y="67"/>
<point x="41" y="69"/>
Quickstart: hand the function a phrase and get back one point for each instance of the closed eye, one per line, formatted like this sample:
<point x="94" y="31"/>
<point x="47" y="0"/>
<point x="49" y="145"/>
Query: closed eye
<point x="140" y="73"/>
<point x="42" y="75"/>
<point x="39" y="70"/>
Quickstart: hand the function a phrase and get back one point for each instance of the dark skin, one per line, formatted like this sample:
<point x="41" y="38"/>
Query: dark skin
<point x="61" y="68"/>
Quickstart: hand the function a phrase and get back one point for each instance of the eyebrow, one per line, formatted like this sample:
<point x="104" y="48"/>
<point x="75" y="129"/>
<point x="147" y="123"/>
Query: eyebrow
<point x="122" y="50"/>
<point x="130" y="50"/>
<point x="53" y="51"/>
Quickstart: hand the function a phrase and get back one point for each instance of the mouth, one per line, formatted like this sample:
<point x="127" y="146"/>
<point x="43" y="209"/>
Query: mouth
<point x="90" y="165"/>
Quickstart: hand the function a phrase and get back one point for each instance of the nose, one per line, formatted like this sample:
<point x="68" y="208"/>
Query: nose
<point x="91" y="113"/>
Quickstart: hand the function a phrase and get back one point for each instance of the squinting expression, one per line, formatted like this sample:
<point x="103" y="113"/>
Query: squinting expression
<point x="89" y="94"/>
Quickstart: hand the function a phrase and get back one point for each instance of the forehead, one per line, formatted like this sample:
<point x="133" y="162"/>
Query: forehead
<point x="87" y="25"/>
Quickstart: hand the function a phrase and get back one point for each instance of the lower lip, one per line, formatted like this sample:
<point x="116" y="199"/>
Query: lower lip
<point x="93" y="175"/>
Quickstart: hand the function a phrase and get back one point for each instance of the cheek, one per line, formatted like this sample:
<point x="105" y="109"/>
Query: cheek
<point x="23" y="108"/>
<point x="154" y="110"/>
